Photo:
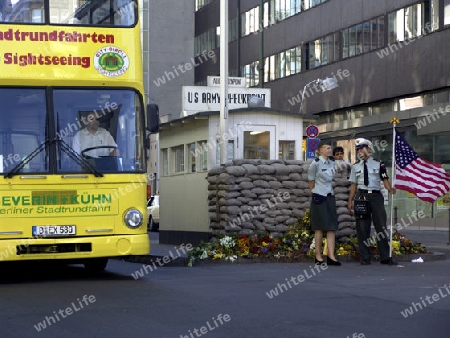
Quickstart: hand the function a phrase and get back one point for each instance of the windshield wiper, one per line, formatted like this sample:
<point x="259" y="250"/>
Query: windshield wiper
<point x="80" y="160"/>
<point x="26" y="160"/>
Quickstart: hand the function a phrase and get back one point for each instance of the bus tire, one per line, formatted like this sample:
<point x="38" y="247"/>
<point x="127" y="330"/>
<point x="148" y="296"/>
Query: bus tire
<point x="96" y="265"/>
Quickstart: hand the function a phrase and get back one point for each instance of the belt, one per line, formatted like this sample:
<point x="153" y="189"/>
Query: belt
<point x="370" y="191"/>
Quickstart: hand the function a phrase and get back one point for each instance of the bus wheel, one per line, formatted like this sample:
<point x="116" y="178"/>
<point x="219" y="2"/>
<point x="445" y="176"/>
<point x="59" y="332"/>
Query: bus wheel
<point x="96" y="265"/>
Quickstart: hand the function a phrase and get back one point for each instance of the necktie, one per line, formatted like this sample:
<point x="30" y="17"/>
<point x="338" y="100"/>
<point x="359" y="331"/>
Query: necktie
<point x="366" y="174"/>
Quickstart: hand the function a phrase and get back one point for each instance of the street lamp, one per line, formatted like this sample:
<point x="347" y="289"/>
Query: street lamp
<point x="326" y="84"/>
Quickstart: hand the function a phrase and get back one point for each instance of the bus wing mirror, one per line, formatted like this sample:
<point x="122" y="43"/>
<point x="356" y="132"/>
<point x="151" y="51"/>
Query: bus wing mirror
<point x="153" y="118"/>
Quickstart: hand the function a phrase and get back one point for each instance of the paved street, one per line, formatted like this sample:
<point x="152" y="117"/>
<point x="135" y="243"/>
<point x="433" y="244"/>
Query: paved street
<point x="227" y="300"/>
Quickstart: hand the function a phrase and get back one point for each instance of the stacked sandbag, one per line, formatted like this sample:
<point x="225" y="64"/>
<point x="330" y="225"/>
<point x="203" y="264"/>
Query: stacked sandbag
<point x="245" y="196"/>
<point x="249" y="195"/>
<point x="341" y="185"/>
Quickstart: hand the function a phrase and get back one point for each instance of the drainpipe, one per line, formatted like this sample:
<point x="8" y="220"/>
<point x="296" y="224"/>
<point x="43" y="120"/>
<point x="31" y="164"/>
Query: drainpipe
<point x="261" y="44"/>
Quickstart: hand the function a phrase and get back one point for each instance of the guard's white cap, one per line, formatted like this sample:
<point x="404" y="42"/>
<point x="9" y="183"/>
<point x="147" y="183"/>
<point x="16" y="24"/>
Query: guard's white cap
<point x="362" y="142"/>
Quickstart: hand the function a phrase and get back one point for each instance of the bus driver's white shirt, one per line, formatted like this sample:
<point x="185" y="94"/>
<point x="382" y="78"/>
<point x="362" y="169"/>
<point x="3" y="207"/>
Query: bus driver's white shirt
<point x="84" y="139"/>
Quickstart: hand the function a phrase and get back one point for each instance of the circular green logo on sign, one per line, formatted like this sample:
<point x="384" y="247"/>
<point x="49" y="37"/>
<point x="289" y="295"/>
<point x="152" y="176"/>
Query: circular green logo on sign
<point x="111" y="61"/>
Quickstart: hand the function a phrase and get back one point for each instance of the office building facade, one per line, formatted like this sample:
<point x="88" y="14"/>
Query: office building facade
<point x="389" y="58"/>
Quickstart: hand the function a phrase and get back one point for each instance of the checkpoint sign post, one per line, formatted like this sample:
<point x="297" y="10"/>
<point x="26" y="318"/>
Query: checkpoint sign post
<point x="312" y="131"/>
<point x="312" y="142"/>
<point x="311" y="147"/>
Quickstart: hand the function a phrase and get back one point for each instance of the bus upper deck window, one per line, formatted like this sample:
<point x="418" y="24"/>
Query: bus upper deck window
<point x="5" y="10"/>
<point x="98" y="12"/>
<point x="22" y="11"/>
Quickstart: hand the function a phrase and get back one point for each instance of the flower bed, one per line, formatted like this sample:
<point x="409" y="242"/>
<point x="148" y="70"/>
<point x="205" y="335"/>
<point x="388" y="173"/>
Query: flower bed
<point x="296" y="245"/>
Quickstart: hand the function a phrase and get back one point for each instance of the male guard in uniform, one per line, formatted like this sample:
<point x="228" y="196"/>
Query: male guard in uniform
<point x="365" y="177"/>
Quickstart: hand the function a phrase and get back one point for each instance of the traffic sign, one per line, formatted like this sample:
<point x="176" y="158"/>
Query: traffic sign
<point x="312" y="131"/>
<point x="311" y="146"/>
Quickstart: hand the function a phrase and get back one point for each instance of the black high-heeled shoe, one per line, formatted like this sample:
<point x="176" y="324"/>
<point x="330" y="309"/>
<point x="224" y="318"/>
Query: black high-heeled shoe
<point x="332" y="262"/>
<point x="317" y="262"/>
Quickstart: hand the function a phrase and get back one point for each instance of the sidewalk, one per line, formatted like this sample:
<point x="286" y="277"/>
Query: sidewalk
<point x="435" y="240"/>
<point x="161" y="250"/>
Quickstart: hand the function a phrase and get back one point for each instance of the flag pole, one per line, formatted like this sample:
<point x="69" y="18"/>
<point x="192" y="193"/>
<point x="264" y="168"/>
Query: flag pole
<point x="394" y="121"/>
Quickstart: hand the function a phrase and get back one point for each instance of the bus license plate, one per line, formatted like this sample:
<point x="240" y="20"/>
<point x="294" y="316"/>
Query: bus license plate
<point x="53" y="230"/>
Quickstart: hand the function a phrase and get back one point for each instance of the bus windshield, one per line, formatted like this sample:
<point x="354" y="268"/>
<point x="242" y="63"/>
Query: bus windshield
<point x="70" y="12"/>
<point x="92" y="131"/>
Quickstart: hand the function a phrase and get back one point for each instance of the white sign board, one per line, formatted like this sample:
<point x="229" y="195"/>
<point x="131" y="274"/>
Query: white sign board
<point x="197" y="98"/>
<point x="214" y="81"/>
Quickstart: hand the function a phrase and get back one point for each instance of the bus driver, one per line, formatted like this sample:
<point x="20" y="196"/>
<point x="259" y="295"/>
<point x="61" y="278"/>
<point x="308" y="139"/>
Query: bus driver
<point x="94" y="136"/>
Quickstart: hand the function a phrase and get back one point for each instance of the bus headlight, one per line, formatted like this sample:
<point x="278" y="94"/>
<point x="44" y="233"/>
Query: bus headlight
<point x="133" y="218"/>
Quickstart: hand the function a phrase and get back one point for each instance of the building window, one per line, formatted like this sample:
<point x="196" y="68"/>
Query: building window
<point x="359" y="44"/>
<point x="201" y="3"/>
<point x="251" y="74"/>
<point x="286" y="150"/>
<point x="272" y="68"/>
<point x="360" y="38"/>
<point x="230" y="152"/>
<point x="266" y="69"/>
<point x="255" y="73"/>
<point x="199" y="156"/>
<point x="352" y="41"/>
<point x="178" y="157"/>
<point x="250" y="21"/>
<point x="446" y="12"/>
<point x="232" y="29"/>
<point x="267" y="19"/>
<point x="314" y="54"/>
<point x="257" y="144"/>
<point x="164" y="162"/>
<point x="377" y="32"/>
<point x="192" y="156"/>
<point x="345" y="42"/>
<point x="412" y="21"/>
<point x="202" y="157"/>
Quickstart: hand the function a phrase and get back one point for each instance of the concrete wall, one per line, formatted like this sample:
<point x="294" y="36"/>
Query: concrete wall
<point x="184" y="208"/>
<point x="170" y="44"/>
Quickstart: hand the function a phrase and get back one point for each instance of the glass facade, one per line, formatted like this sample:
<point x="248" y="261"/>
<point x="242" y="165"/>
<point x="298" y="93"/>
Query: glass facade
<point x="402" y="24"/>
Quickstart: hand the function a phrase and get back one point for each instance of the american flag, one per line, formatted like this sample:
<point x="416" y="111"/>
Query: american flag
<point x="428" y="181"/>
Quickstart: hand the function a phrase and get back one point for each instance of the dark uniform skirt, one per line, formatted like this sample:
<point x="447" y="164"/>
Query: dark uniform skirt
<point x="324" y="215"/>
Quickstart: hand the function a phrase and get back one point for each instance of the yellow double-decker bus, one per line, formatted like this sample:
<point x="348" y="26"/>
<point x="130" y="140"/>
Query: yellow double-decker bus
<point x="73" y="179"/>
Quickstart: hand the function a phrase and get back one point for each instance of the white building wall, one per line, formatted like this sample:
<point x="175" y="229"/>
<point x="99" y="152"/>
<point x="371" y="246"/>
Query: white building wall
<point x="286" y="127"/>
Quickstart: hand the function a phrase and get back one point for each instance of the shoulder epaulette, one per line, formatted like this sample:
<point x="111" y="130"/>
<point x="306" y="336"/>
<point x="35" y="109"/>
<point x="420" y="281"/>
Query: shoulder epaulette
<point x="331" y="158"/>
<point x="317" y="159"/>
<point x="357" y="162"/>
<point x="376" y="160"/>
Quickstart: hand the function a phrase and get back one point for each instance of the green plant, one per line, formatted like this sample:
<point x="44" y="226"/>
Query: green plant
<point x="297" y="242"/>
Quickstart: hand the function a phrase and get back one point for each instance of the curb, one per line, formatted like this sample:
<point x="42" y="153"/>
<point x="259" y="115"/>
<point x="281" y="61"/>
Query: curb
<point x="435" y="256"/>
<point x="183" y="261"/>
